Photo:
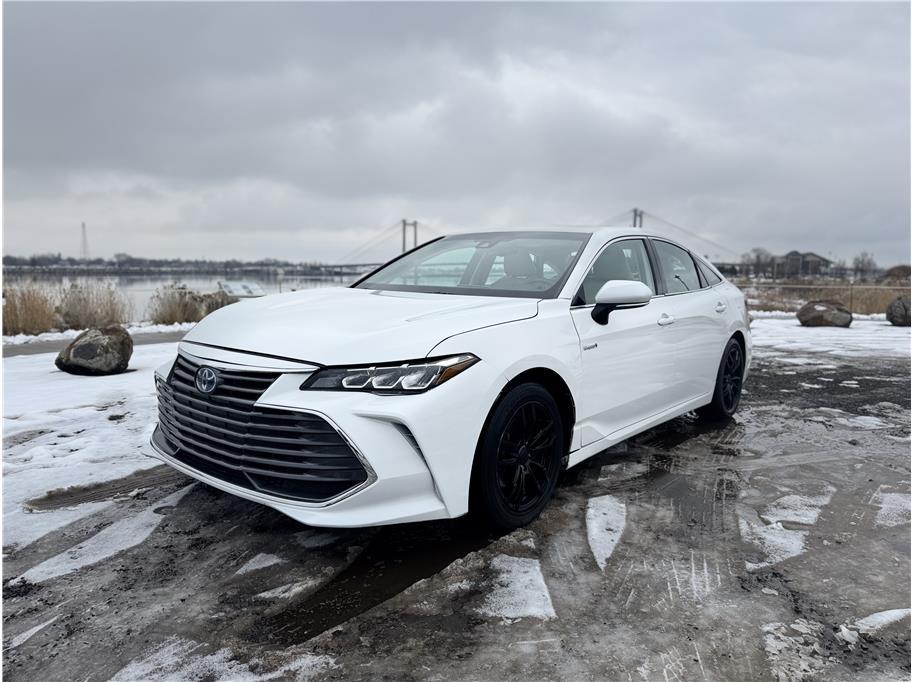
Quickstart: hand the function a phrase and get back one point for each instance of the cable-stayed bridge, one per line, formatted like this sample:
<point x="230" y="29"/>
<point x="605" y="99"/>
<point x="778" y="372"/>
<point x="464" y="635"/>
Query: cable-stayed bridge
<point x="406" y="234"/>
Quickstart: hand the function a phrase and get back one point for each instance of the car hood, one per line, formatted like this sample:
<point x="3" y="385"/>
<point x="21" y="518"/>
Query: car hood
<point x="338" y="326"/>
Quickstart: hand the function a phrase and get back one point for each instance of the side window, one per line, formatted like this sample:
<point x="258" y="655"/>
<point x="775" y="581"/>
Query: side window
<point x="622" y="260"/>
<point x="678" y="270"/>
<point x="709" y="276"/>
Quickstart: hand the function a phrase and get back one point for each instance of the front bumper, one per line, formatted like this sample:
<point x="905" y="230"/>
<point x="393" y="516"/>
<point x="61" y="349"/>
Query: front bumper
<point x="418" y="449"/>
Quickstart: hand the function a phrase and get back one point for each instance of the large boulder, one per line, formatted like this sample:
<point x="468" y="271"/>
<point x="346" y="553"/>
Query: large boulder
<point x="97" y="351"/>
<point x="898" y="312"/>
<point x="824" y="314"/>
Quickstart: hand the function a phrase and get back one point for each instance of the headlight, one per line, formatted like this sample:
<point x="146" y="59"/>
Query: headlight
<point x="408" y="377"/>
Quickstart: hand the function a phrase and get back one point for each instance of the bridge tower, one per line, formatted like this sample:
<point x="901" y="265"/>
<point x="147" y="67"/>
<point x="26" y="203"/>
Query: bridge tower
<point x="84" y="250"/>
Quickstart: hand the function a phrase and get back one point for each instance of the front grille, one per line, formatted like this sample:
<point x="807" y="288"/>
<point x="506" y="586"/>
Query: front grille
<point x="296" y="455"/>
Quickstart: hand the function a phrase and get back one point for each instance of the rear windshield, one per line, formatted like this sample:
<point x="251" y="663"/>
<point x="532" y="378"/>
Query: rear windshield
<point x="510" y="264"/>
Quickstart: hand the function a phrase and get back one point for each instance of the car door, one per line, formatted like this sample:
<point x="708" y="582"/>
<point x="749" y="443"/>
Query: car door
<point x="627" y="363"/>
<point x="697" y="327"/>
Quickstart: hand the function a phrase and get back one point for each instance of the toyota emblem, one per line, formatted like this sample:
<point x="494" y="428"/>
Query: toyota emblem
<point x="206" y="380"/>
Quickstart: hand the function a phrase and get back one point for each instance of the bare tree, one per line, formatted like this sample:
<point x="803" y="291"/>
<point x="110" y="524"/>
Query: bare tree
<point x="760" y="260"/>
<point x="864" y="265"/>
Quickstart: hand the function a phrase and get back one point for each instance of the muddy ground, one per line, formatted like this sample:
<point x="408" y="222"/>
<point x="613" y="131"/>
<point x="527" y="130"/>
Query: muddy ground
<point x="775" y="546"/>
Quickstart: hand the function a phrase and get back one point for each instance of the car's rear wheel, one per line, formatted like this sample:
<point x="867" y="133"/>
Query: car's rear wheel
<point x="729" y="379"/>
<point x="518" y="459"/>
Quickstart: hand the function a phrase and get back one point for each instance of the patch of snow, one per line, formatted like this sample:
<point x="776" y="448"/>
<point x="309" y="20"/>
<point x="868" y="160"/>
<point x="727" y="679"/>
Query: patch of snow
<point x="459" y="586"/>
<point x="777" y="542"/>
<point x="76" y="444"/>
<point x="288" y="591"/>
<point x="66" y="335"/>
<point x="881" y="619"/>
<point x="119" y="536"/>
<point x="847" y="635"/>
<point x="794" y="651"/>
<point x="520" y="590"/>
<point x="894" y="508"/>
<point x="804" y="509"/>
<point x="804" y="385"/>
<point x="605" y="520"/>
<point x="23" y="526"/>
<point x="791" y="315"/>
<point x="260" y="561"/>
<point x="865" y="338"/>
<point x="177" y="659"/>
<point x="27" y="635"/>
<point x="852" y="421"/>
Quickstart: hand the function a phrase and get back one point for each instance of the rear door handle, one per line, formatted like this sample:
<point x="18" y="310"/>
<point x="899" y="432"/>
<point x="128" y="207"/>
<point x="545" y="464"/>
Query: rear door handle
<point x="665" y="320"/>
<point x="721" y="307"/>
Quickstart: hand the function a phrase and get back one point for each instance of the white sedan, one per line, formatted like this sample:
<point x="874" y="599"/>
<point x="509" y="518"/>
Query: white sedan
<point x="462" y="376"/>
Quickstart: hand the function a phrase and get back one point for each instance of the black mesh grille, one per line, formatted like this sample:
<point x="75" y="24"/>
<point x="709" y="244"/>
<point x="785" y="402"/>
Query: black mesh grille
<point x="289" y="454"/>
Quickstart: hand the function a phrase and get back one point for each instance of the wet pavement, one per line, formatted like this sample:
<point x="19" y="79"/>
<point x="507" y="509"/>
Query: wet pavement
<point x="774" y="546"/>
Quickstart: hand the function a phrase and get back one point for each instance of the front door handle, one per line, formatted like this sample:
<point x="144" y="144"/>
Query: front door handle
<point x="665" y="320"/>
<point x="721" y="307"/>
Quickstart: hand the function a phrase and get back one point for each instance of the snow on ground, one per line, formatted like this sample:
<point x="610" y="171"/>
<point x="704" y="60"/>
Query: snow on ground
<point x="881" y="619"/>
<point x="894" y="507"/>
<point x="790" y="315"/>
<point x="290" y="590"/>
<point x="865" y="338"/>
<point x="27" y="635"/>
<point x="260" y="561"/>
<point x="519" y="591"/>
<point x="138" y="328"/>
<point x="794" y="651"/>
<point x="605" y="519"/>
<point x="776" y="541"/>
<point x="177" y="659"/>
<point x="62" y="430"/>
<point x="120" y="535"/>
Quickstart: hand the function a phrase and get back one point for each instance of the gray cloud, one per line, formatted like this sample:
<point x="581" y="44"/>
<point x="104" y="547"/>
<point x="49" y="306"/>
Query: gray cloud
<point x="301" y="130"/>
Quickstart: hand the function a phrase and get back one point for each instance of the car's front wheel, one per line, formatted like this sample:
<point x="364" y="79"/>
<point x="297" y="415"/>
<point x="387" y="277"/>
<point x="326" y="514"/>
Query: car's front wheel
<point x="519" y="458"/>
<point x="727" y="395"/>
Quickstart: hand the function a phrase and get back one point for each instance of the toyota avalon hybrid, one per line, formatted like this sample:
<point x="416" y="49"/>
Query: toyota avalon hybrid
<point x="463" y="376"/>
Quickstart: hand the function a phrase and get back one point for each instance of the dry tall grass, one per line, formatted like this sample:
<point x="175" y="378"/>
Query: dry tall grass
<point x="861" y="300"/>
<point x="29" y="309"/>
<point x="175" y="303"/>
<point x="93" y="305"/>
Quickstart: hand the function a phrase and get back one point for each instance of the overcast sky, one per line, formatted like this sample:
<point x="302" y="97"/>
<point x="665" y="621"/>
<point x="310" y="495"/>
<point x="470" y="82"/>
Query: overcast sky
<point x="301" y="131"/>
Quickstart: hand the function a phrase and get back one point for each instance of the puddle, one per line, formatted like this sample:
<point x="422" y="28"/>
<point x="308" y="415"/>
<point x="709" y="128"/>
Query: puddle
<point x="396" y="558"/>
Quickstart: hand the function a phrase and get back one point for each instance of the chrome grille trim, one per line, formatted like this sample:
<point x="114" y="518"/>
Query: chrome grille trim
<point x="296" y="455"/>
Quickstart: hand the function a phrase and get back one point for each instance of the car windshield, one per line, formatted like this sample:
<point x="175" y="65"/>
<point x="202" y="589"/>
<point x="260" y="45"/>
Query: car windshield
<point x="513" y="264"/>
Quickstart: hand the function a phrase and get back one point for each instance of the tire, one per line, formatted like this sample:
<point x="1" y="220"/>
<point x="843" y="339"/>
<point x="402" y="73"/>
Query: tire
<point x="518" y="460"/>
<point x="729" y="378"/>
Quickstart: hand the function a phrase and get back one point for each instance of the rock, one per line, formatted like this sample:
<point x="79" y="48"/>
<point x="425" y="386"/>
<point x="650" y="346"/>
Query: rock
<point x="771" y="592"/>
<point x="898" y="311"/>
<point x="824" y="314"/>
<point x="97" y="351"/>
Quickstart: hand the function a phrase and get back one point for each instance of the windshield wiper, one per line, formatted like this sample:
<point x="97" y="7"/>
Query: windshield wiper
<point x="678" y="277"/>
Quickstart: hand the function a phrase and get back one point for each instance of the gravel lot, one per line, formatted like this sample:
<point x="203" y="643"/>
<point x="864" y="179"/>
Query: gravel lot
<point x="775" y="546"/>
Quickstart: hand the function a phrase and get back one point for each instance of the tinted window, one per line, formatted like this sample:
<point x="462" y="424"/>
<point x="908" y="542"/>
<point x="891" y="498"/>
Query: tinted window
<point x="678" y="270"/>
<point x="622" y="260"/>
<point x="709" y="276"/>
<point x="530" y="264"/>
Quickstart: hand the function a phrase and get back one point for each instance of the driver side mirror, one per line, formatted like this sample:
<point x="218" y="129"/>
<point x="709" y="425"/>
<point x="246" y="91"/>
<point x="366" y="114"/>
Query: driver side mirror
<point x="619" y="294"/>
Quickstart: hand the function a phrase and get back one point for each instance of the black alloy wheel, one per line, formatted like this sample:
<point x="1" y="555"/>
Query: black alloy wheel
<point x="729" y="379"/>
<point x="519" y="458"/>
<point x="732" y="375"/>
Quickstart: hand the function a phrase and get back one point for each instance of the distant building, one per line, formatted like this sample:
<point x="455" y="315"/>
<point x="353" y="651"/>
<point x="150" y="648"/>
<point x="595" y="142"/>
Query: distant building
<point x="797" y="264"/>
